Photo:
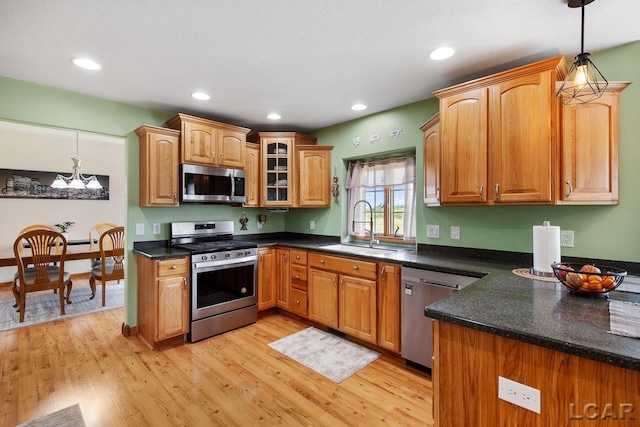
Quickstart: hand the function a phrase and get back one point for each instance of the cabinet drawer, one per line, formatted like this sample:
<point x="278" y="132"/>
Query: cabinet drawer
<point x="173" y="267"/>
<point x="298" y="257"/>
<point x="342" y="265"/>
<point x="298" y="272"/>
<point x="299" y="302"/>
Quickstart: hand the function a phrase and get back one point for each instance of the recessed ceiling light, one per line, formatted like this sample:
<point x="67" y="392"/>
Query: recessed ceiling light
<point x="358" y="107"/>
<point x="201" y="96"/>
<point x="441" y="53"/>
<point x="86" y="63"/>
<point x="274" y="116"/>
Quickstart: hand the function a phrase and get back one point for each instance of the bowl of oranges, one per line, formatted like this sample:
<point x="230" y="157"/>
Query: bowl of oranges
<point x="588" y="278"/>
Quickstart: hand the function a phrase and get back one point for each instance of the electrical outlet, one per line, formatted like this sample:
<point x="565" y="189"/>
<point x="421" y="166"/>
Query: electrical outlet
<point x="433" y="231"/>
<point x="519" y="394"/>
<point x="566" y="238"/>
<point x="156" y="228"/>
<point x="312" y="225"/>
<point x="140" y="229"/>
<point x="258" y="224"/>
<point x="455" y="232"/>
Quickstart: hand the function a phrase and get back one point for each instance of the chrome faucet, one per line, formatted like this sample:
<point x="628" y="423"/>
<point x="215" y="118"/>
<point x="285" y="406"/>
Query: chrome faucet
<point x="372" y="240"/>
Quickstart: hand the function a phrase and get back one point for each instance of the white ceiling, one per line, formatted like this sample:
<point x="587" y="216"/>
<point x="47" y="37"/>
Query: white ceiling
<point x="308" y="60"/>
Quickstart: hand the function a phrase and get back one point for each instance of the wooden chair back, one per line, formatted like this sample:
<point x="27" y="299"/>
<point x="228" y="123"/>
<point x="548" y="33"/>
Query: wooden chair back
<point x="40" y="227"/>
<point x="96" y="231"/>
<point x="112" y="254"/>
<point x="41" y="275"/>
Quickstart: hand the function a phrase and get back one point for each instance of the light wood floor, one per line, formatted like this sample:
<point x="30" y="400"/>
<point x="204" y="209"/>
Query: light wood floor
<point x="233" y="379"/>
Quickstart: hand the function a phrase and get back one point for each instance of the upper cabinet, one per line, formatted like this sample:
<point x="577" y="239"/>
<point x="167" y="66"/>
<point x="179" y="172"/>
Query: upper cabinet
<point x="206" y="142"/>
<point x="252" y="187"/>
<point x="159" y="148"/>
<point x="589" y="150"/>
<point x="431" y="146"/>
<point x="497" y="137"/>
<point x="286" y="161"/>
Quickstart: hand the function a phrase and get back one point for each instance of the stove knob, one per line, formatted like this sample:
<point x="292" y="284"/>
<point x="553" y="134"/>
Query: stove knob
<point x="227" y="255"/>
<point x="213" y="256"/>
<point x="247" y="252"/>
<point x="204" y="257"/>
<point x="240" y="253"/>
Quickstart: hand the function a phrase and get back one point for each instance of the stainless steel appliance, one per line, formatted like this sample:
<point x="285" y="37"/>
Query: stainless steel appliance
<point x="223" y="277"/>
<point x="421" y="288"/>
<point x="207" y="184"/>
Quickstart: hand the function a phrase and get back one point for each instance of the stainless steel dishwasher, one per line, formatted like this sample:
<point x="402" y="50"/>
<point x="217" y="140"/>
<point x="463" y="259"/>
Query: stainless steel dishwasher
<point x="421" y="288"/>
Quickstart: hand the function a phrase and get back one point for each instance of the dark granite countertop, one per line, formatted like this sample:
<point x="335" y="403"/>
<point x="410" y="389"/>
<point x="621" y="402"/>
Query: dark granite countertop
<point x="500" y="302"/>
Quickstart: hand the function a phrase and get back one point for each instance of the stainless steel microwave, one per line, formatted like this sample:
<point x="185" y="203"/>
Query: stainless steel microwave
<point x="207" y="184"/>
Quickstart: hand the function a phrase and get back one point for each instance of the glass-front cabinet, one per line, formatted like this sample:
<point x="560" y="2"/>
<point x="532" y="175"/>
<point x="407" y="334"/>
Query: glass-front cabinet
<point x="277" y="166"/>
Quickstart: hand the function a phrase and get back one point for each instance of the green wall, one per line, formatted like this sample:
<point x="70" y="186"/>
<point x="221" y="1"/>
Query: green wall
<point x="608" y="232"/>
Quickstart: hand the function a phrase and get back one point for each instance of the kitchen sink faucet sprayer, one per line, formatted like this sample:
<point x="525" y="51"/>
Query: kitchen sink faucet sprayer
<point x="371" y="231"/>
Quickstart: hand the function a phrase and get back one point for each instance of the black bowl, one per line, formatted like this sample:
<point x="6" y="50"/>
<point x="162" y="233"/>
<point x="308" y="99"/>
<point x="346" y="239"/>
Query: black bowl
<point x="588" y="278"/>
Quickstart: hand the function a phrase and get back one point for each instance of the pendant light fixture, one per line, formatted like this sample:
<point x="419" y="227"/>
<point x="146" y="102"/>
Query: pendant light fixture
<point x="584" y="82"/>
<point x="76" y="180"/>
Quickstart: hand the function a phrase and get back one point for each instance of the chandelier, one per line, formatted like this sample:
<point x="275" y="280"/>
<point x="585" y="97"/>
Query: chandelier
<point x="76" y="180"/>
<point x="584" y="82"/>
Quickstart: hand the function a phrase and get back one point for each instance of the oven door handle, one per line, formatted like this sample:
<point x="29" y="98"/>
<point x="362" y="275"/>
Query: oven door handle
<point x="227" y="262"/>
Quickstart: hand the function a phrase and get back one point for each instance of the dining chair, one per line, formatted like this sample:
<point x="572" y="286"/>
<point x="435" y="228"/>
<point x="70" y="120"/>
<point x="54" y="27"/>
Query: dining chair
<point x="112" y="260"/>
<point x="43" y="275"/>
<point x="24" y="230"/>
<point x="94" y="238"/>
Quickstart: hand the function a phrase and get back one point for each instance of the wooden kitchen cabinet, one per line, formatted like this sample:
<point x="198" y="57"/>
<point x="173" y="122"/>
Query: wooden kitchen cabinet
<point x="589" y="150"/>
<point x="389" y="309"/>
<point x="285" y="178"/>
<point x="431" y="146"/>
<point x="298" y="281"/>
<point x="159" y="172"/>
<point x="283" y="285"/>
<point x="511" y="115"/>
<point x="210" y="143"/>
<point x="252" y="181"/>
<point x="342" y="294"/>
<point x="313" y="172"/>
<point x="163" y="300"/>
<point x="266" y="278"/>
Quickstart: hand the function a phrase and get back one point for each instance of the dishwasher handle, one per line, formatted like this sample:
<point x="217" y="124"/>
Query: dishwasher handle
<point x="435" y="283"/>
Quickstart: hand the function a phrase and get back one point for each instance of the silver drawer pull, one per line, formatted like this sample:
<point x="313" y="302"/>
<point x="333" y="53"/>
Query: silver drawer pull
<point x="297" y="277"/>
<point x="173" y="267"/>
<point x="355" y="267"/>
<point x="321" y="261"/>
<point x="297" y="301"/>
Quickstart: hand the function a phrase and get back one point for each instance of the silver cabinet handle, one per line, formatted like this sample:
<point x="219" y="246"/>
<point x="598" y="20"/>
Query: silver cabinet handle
<point x="297" y="276"/>
<point x="297" y="256"/>
<point x="497" y="191"/>
<point x="570" y="189"/>
<point x="481" y="191"/>
<point x="297" y="301"/>
<point x="321" y="261"/>
<point x="175" y="196"/>
<point x="173" y="267"/>
<point x="355" y="267"/>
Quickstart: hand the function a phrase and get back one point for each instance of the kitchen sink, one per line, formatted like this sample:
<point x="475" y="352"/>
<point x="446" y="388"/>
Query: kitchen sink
<point x="358" y="250"/>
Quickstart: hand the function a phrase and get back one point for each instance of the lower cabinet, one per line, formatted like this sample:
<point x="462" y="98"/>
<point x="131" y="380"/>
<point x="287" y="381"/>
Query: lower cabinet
<point x="283" y="286"/>
<point x="389" y="314"/>
<point x="266" y="278"/>
<point x="163" y="300"/>
<point x="342" y="295"/>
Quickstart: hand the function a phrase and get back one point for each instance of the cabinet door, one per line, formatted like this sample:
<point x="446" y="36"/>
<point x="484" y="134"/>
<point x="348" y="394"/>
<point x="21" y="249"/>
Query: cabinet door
<point x="431" y="144"/>
<point x="199" y="144"/>
<point x="252" y="187"/>
<point x="357" y="308"/>
<point x="231" y="149"/>
<point x="266" y="278"/>
<point x="589" y="151"/>
<point x="520" y="139"/>
<point x="282" y="280"/>
<point x="323" y="297"/>
<point x="463" y="131"/>
<point x="314" y="175"/>
<point x="173" y="307"/>
<point x="159" y="150"/>
<point x="277" y="171"/>
<point x="389" y="307"/>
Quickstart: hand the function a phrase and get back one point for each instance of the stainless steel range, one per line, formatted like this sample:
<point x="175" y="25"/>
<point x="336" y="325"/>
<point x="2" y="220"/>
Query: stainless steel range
<point x="223" y="277"/>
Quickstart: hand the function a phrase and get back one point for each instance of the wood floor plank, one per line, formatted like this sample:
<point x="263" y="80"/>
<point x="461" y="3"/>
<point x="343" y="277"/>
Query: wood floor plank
<point x="233" y="379"/>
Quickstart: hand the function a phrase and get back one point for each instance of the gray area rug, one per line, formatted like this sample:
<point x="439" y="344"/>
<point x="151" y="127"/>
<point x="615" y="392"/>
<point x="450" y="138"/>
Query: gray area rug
<point x="67" y="417"/>
<point x="327" y="354"/>
<point x="45" y="306"/>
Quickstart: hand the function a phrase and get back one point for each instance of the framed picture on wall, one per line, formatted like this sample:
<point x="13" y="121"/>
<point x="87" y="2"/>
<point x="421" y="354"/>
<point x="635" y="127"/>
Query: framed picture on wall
<point x="24" y="184"/>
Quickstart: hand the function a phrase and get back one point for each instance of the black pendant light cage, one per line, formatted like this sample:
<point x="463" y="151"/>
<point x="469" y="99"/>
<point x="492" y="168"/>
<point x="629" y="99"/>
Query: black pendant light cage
<point x="584" y="82"/>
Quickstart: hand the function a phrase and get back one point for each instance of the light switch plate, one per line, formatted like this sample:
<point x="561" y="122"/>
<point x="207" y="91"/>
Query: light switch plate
<point x="140" y="229"/>
<point x="258" y="224"/>
<point x="433" y="231"/>
<point x="156" y="228"/>
<point x="455" y="232"/>
<point x="312" y="225"/>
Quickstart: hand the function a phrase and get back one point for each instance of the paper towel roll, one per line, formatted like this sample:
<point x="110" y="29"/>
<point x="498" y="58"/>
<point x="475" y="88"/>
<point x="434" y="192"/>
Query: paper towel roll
<point x="546" y="247"/>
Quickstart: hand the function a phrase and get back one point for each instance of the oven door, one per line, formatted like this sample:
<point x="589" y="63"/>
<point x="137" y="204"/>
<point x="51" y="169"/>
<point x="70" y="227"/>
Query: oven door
<point x="222" y="286"/>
